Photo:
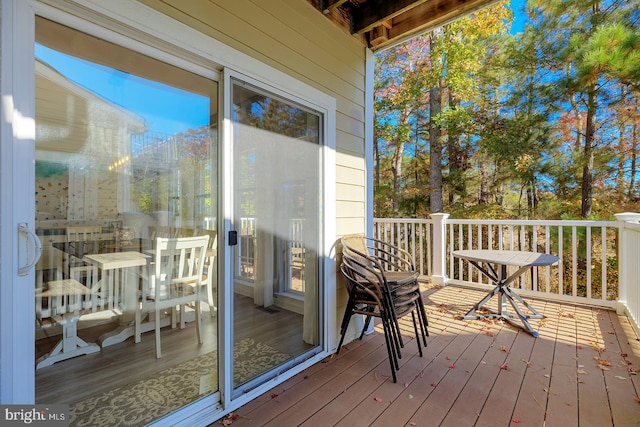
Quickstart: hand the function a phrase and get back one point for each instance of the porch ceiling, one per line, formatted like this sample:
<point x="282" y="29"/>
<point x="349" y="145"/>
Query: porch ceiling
<point x="382" y="23"/>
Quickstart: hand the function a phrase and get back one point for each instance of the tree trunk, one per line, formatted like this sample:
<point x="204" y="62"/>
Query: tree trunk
<point x="376" y="176"/>
<point x="483" y="198"/>
<point x="587" y="169"/>
<point x="397" y="175"/>
<point x="455" y="156"/>
<point x="435" y="165"/>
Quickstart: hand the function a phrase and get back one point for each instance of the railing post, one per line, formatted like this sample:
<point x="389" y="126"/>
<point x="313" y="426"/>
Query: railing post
<point x="624" y="262"/>
<point x="439" y="252"/>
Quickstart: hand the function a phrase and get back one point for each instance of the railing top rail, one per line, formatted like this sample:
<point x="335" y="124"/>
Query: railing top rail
<point x="564" y="223"/>
<point x="404" y="220"/>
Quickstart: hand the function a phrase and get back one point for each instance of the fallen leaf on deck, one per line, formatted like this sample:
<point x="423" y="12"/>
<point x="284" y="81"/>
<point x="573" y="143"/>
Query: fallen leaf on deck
<point x="434" y="384"/>
<point x="410" y="396"/>
<point x="229" y="419"/>
<point x="503" y="348"/>
<point x="581" y="371"/>
<point x="638" y="399"/>
<point x="516" y="421"/>
<point x="274" y="395"/>
<point x="412" y="424"/>
<point x="621" y="377"/>
<point x="452" y="366"/>
<point x="377" y="399"/>
<point x="505" y="367"/>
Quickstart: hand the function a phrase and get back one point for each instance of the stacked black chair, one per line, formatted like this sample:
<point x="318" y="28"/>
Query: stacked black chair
<point x="398" y="266"/>
<point x="382" y="283"/>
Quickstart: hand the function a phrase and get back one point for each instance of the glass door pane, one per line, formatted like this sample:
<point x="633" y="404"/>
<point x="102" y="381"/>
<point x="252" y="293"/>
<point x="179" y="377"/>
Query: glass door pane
<point x="126" y="153"/>
<point x="276" y="146"/>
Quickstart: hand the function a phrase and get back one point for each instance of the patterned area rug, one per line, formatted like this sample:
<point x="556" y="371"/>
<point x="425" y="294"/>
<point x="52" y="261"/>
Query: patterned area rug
<point x="143" y="401"/>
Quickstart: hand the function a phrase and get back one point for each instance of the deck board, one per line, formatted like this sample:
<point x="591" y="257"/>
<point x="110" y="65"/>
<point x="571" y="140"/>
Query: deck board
<point x="473" y="373"/>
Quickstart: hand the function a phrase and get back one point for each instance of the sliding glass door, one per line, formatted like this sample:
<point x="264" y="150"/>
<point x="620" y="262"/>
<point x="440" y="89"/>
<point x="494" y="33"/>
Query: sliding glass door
<point x="126" y="152"/>
<point x="275" y="235"/>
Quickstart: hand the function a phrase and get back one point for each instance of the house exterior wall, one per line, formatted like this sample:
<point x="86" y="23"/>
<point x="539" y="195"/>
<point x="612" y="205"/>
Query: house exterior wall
<point x="289" y="36"/>
<point x="292" y="37"/>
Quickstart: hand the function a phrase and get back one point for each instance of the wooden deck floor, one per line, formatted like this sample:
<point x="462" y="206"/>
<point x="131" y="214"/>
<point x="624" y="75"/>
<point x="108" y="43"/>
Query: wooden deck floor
<point x="580" y="371"/>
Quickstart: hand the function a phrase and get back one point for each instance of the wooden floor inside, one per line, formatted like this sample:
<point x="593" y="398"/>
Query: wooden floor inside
<point x="583" y="370"/>
<point x="75" y="379"/>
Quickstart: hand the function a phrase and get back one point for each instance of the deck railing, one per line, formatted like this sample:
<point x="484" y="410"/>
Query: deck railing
<point x="599" y="260"/>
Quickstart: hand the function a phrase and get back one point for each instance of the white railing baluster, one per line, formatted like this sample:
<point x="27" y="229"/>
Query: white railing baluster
<point x="603" y="277"/>
<point x="588" y="262"/>
<point x="417" y="236"/>
<point x="574" y="260"/>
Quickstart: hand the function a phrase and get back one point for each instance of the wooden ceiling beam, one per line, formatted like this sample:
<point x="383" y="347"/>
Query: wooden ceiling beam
<point x="429" y="16"/>
<point x="328" y="5"/>
<point x="372" y="13"/>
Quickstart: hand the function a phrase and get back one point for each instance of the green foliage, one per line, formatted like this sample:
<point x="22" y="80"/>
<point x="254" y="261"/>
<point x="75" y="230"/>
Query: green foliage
<point x="530" y="122"/>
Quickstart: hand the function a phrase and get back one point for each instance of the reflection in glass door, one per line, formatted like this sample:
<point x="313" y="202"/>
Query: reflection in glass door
<point x="276" y="146"/>
<point x="126" y="153"/>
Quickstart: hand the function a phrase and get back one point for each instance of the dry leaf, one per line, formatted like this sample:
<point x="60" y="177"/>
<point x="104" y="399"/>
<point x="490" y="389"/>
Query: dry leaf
<point x="229" y="419"/>
<point x="434" y="384"/>
<point x="452" y="366"/>
<point x="505" y="367"/>
<point x="621" y="377"/>
<point x="377" y="399"/>
<point x="581" y="371"/>
<point x="503" y="348"/>
<point x="516" y="421"/>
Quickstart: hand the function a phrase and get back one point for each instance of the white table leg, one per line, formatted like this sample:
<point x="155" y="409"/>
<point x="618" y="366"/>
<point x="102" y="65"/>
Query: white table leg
<point x="71" y="345"/>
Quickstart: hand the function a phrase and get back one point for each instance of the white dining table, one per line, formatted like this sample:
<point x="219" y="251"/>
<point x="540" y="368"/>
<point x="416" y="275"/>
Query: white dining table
<point x="493" y="264"/>
<point x="70" y="345"/>
<point x="123" y="291"/>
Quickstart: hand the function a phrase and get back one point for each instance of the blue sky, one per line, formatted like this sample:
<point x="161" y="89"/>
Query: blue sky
<point x="164" y="108"/>
<point x="519" y="17"/>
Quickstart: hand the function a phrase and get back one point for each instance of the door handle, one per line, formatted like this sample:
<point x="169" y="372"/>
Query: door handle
<point x="25" y="250"/>
<point x="233" y="238"/>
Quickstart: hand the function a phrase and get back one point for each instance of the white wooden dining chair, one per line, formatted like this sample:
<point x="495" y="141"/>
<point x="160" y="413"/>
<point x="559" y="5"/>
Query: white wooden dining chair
<point x="175" y="280"/>
<point x="99" y="297"/>
<point x="86" y="235"/>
